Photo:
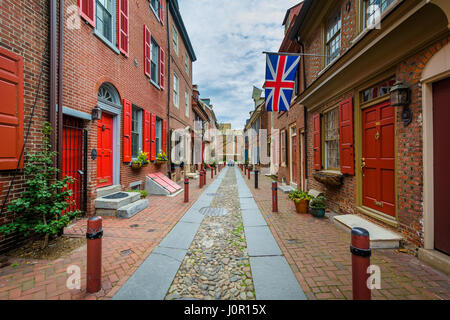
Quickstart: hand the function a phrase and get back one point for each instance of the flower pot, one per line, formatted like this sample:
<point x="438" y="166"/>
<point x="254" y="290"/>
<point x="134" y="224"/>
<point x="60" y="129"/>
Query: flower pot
<point x="317" y="212"/>
<point x="160" y="162"/>
<point x="145" y="164"/>
<point x="136" y="165"/>
<point x="301" y="206"/>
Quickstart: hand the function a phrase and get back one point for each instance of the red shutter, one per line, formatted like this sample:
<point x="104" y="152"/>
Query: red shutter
<point x="126" y="131"/>
<point x="124" y="26"/>
<point x="317" y="141"/>
<point x="147" y="52"/>
<point x="146" y="129"/>
<point x="162" y="67"/>
<point x="86" y="9"/>
<point x="161" y="11"/>
<point x="152" y="137"/>
<point x="346" y="136"/>
<point x="11" y="110"/>
<point x="164" y="136"/>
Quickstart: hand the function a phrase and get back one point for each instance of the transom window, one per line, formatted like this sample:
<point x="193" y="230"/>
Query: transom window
<point x="332" y="152"/>
<point x="373" y="10"/>
<point x="136" y="132"/>
<point x="105" y="19"/>
<point x="333" y="36"/>
<point x="154" y="61"/>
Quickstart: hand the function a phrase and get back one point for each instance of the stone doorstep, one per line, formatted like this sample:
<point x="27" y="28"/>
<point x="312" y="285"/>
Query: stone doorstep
<point x="436" y="259"/>
<point x="106" y="191"/>
<point x="132" y="209"/>
<point x="285" y="188"/>
<point x="380" y="238"/>
<point x="102" y="203"/>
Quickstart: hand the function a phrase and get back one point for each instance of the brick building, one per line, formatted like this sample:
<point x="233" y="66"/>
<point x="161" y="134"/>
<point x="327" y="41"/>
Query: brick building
<point x="24" y="55"/>
<point x="369" y="157"/>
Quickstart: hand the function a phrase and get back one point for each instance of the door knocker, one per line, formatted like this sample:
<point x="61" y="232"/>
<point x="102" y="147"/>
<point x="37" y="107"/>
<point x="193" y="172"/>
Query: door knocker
<point x="103" y="128"/>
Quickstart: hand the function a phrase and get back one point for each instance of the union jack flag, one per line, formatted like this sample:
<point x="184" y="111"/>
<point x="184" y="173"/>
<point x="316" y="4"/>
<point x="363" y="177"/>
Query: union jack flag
<point x="280" y="81"/>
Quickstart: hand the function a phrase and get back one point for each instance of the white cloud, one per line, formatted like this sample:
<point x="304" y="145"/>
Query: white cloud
<point x="229" y="38"/>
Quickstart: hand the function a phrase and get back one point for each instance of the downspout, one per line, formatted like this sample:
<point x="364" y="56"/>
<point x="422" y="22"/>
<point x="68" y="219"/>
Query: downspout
<point x="60" y="86"/>
<point x="53" y="71"/>
<point x="169" y="58"/>
<point x="305" y="151"/>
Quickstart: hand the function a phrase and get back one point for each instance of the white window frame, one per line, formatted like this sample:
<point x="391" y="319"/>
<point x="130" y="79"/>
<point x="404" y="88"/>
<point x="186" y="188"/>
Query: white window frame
<point x="138" y="112"/>
<point x="333" y="35"/>
<point x="111" y="43"/>
<point x="326" y="142"/>
<point x="382" y="9"/>
<point x="175" y="39"/>
<point x="176" y="90"/>
<point x="186" y="63"/>
<point x="187" y="103"/>
<point x="283" y="148"/>
<point x="156" y="11"/>
<point x="154" y="45"/>
<point x="158" y="138"/>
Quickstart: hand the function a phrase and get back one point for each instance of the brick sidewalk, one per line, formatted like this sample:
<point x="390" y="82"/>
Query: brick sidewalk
<point x="318" y="253"/>
<point x="126" y="244"/>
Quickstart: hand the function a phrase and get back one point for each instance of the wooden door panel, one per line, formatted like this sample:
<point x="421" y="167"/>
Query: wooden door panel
<point x="379" y="158"/>
<point x="441" y="115"/>
<point x="105" y="151"/>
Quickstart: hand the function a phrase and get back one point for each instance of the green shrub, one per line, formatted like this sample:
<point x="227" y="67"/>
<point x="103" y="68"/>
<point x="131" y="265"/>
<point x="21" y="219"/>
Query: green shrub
<point x="318" y="203"/>
<point x="299" y="195"/>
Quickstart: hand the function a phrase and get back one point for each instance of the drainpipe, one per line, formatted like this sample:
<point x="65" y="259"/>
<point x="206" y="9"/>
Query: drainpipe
<point x="53" y="71"/>
<point x="60" y="86"/>
<point x="169" y="141"/>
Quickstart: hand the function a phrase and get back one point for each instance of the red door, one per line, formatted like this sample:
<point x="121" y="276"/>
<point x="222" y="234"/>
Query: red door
<point x="105" y="151"/>
<point x="294" y="158"/>
<point x="379" y="158"/>
<point x="441" y="114"/>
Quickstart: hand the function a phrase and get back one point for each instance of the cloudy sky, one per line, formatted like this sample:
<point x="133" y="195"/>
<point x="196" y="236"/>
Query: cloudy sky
<point x="229" y="38"/>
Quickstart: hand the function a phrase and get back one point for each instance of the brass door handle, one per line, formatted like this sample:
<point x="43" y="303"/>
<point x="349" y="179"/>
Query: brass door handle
<point x="363" y="163"/>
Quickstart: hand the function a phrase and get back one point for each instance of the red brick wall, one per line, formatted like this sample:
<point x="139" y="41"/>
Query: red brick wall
<point x="89" y="62"/>
<point x="23" y="31"/>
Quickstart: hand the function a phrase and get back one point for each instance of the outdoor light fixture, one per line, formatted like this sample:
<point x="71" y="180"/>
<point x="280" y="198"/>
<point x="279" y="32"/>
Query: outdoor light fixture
<point x="96" y="113"/>
<point x="400" y="97"/>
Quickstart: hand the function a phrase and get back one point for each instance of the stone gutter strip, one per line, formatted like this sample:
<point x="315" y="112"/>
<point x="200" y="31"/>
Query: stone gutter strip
<point x="152" y="279"/>
<point x="272" y="276"/>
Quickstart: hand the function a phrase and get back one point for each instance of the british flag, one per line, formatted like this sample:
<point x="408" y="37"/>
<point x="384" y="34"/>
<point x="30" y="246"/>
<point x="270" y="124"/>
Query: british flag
<point x="280" y="81"/>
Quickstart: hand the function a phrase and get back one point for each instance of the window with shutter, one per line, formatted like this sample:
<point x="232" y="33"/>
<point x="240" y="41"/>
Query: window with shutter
<point x="86" y="10"/>
<point x="161" y="11"/>
<point x="146" y="129"/>
<point x="317" y="142"/>
<point x="164" y="136"/>
<point x="127" y="108"/>
<point x="153" y="137"/>
<point x="346" y="136"/>
<point x="147" y="51"/>
<point x="124" y="27"/>
<point x="11" y="110"/>
<point x="162" y="67"/>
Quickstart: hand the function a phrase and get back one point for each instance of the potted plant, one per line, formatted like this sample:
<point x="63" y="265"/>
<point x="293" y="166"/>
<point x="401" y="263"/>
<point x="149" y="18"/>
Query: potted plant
<point x="161" y="158"/>
<point x="318" y="206"/>
<point x="301" y="200"/>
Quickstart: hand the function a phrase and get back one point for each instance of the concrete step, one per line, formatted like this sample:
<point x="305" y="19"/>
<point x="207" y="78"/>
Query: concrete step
<point x="286" y="188"/>
<point x="380" y="238"/>
<point x="103" y="192"/>
<point x="130" y="210"/>
<point x="114" y="204"/>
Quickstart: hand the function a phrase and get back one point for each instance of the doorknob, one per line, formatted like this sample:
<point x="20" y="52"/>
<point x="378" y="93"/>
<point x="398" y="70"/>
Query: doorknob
<point x="363" y="163"/>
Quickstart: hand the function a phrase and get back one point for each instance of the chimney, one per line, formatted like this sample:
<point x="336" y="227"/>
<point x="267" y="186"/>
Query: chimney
<point x="195" y="92"/>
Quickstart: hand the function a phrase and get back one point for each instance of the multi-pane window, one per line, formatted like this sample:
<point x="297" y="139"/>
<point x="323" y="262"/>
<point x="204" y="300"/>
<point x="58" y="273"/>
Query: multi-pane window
<point x="186" y="63"/>
<point x="175" y="39"/>
<point x="136" y="132"/>
<point x="176" y="91"/>
<point x="155" y="62"/>
<point x="105" y="19"/>
<point x="333" y="36"/>
<point x="283" y="147"/>
<point x="373" y="10"/>
<point x="187" y="103"/>
<point x="158" y="141"/>
<point x="332" y="156"/>
<point x="154" y="4"/>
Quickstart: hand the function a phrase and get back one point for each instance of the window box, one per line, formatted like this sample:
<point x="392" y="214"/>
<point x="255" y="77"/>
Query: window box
<point x="329" y="178"/>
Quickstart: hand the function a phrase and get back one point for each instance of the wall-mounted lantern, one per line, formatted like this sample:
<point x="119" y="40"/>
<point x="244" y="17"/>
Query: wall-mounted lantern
<point x="400" y="97"/>
<point x="96" y="113"/>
